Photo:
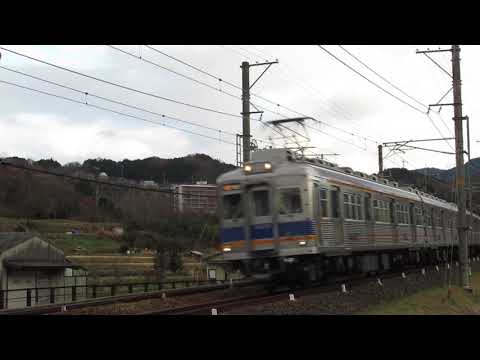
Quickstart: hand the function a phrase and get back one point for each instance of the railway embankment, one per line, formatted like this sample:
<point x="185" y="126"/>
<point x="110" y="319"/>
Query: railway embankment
<point x="417" y="293"/>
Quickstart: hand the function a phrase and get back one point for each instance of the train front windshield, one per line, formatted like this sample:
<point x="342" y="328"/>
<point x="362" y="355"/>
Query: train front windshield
<point x="232" y="206"/>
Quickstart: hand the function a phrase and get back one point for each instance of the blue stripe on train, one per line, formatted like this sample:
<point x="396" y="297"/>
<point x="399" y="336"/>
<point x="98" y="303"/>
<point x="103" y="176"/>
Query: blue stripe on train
<point x="232" y="234"/>
<point x="265" y="231"/>
<point x="306" y="227"/>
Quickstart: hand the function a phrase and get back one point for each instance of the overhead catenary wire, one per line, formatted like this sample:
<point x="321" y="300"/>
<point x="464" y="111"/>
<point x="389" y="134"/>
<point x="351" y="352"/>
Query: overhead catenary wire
<point x="304" y="115"/>
<point x="382" y="77"/>
<point x="141" y="58"/>
<point x="90" y="94"/>
<point x="113" y="111"/>
<point x="121" y="86"/>
<point x="369" y="80"/>
<point x="384" y="90"/>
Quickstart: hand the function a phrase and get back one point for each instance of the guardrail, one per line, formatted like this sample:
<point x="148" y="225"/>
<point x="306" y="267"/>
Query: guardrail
<point x="32" y="297"/>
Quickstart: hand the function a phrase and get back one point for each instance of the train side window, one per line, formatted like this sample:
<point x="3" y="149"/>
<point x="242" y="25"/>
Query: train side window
<point x="381" y="211"/>
<point x="442" y="219"/>
<point x="335" y="202"/>
<point x="323" y="203"/>
<point x="352" y="205"/>
<point x="402" y="214"/>
<point x="290" y="201"/>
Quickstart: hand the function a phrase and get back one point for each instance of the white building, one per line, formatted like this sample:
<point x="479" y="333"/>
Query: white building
<point x="30" y="267"/>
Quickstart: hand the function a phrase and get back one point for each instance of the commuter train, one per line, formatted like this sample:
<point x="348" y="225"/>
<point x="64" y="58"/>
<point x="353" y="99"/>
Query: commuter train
<point x="283" y="214"/>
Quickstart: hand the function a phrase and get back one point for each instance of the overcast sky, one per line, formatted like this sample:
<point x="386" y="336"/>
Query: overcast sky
<point x="306" y="80"/>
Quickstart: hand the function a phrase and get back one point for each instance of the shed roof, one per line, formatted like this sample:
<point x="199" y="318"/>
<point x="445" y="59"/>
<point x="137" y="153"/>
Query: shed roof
<point x="9" y="240"/>
<point x="41" y="264"/>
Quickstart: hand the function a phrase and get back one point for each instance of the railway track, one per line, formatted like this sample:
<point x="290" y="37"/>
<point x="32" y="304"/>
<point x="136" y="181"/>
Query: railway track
<point x="217" y="307"/>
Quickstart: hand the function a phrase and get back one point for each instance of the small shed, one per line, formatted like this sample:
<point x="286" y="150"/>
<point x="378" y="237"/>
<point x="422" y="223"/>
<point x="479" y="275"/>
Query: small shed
<point x="28" y="262"/>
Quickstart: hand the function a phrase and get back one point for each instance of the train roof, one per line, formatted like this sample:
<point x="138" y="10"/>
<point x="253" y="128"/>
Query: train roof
<point x="286" y="163"/>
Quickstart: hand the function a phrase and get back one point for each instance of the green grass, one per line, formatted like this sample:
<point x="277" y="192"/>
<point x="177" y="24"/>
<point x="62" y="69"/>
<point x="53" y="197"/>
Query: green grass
<point x="433" y="302"/>
<point x="53" y="225"/>
<point x="85" y="244"/>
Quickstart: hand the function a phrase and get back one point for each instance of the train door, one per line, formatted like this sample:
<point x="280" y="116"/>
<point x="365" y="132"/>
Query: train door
<point x="294" y="226"/>
<point x="337" y="216"/>
<point x="369" y="220"/>
<point x="260" y="218"/>
<point x="413" y="222"/>
<point x="393" y="221"/>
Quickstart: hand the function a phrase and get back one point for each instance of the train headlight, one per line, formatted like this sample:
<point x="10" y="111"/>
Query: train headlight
<point x="227" y="249"/>
<point x="302" y="243"/>
<point x="267" y="166"/>
<point x="247" y="168"/>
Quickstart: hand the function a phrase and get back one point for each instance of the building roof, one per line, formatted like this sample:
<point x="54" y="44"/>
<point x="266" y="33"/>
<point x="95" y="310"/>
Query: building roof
<point x="9" y="240"/>
<point x="42" y="264"/>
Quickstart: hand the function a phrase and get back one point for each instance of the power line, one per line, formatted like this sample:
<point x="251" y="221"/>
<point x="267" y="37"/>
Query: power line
<point x="114" y="111"/>
<point x="386" y="91"/>
<point x="122" y="86"/>
<point x="99" y="182"/>
<point x="114" y="101"/>
<point x="193" y="67"/>
<point x="335" y="106"/>
<point x="382" y="77"/>
<point x="370" y="81"/>
<point x="292" y="110"/>
<point x="175" y="72"/>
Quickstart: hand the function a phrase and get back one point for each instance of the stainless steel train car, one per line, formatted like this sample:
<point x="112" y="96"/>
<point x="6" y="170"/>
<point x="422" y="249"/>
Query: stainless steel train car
<point x="280" y="212"/>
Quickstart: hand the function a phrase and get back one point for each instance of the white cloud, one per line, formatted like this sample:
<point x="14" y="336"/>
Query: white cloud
<point x="306" y="80"/>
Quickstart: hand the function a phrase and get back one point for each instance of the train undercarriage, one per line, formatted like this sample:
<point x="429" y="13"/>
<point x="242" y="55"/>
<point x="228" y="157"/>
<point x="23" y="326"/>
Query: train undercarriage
<point x="304" y="270"/>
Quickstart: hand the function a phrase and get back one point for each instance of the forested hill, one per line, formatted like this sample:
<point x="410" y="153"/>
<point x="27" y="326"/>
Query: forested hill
<point x="196" y="167"/>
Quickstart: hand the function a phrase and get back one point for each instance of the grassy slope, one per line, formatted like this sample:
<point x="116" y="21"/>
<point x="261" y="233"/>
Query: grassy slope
<point x="434" y="302"/>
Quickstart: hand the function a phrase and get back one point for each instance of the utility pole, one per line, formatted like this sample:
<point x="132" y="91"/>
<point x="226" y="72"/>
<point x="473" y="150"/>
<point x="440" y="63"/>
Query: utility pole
<point x="246" y="110"/>
<point x="458" y="119"/>
<point x="459" y="151"/>
<point x="380" y="159"/>
<point x="246" y="104"/>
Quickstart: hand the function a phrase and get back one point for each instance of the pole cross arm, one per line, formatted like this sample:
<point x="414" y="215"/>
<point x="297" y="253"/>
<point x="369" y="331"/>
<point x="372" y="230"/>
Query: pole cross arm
<point x="264" y="71"/>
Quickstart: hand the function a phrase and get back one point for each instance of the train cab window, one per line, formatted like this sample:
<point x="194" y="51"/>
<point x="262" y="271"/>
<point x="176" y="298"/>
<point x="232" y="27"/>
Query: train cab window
<point x="290" y="201"/>
<point x="261" y="202"/>
<point x="323" y="203"/>
<point x="335" y="202"/>
<point x="232" y="206"/>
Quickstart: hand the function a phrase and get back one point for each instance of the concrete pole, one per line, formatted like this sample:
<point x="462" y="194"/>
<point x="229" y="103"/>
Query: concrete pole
<point x="246" y="110"/>
<point x="460" y="183"/>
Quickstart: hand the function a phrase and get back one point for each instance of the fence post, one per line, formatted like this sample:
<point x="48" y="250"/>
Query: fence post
<point x="52" y="295"/>
<point x="130" y="288"/>
<point x="94" y="291"/>
<point x="113" y="290"/>
<point x="36" y="296"/>
<point x="74" y="293"/>
<point x="29" y="297"/>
